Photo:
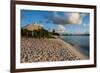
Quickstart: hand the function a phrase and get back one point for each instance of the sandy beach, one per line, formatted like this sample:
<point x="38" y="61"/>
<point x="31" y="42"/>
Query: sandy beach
<point x="45" y="50"/>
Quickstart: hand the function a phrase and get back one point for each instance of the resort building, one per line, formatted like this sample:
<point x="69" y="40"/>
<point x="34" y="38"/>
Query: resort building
<point x="31" y="28"/>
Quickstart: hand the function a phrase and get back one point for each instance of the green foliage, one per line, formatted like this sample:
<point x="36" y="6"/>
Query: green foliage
<point x="41" y="33"/>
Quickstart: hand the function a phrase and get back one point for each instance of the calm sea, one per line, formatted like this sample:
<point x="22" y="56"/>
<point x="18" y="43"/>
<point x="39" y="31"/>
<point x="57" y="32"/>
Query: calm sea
<point x="81" y="43"/>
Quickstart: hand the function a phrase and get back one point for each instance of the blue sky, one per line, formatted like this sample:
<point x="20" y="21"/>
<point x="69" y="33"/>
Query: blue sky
<point x="66" y="22"/>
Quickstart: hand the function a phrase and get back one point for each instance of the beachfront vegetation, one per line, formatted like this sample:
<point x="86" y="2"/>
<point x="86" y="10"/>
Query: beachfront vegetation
<point x="40" y="33"/>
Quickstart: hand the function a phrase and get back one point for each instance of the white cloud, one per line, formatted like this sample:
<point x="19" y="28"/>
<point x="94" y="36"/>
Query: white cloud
<point x="60" y="29"/>
<point x="84" y="25"/>
<point x="56" y="14"/>
<point x="41" y="25"/>
<point x="74" y="18"/>
<point x="67" y="18"/>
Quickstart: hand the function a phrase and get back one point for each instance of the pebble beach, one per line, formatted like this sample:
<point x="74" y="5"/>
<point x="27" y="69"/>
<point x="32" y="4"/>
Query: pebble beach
<point x="48" y="49"/>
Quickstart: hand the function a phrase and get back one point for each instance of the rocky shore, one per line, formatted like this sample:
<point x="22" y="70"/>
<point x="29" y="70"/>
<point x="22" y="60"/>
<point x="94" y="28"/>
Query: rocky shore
<point x="46" y="50"/>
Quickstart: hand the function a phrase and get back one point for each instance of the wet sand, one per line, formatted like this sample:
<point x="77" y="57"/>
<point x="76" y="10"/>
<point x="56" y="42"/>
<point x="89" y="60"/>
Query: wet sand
<point x="45" y="50"/>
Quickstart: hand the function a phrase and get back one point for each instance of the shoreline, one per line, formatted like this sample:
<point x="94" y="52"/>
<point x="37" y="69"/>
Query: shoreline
<point x="76" y="48"/>
<point x="48" y="49"/>
<point x="72" y="48"/>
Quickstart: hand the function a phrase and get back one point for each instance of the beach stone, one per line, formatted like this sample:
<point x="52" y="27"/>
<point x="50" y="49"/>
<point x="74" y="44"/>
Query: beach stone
<point x="44" y="50"/>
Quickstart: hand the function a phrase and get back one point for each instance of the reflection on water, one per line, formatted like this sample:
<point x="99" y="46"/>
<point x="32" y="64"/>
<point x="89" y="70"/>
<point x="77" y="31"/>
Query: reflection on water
<point x="80" y="42"/>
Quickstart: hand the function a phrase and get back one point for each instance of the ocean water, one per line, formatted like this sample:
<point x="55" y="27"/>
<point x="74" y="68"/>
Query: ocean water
<point x="81" y="43"/>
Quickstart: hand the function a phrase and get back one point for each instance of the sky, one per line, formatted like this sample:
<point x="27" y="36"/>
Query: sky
<point x="62" y="22"/>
